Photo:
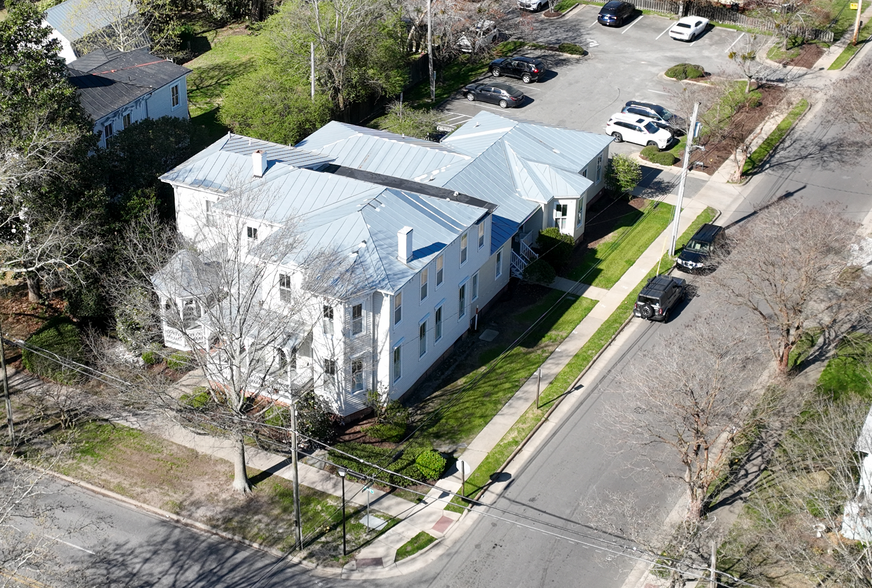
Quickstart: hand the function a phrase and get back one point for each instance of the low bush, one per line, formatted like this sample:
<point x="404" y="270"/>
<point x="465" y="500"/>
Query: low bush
<point x="540" y="272"/>
<point x="404" y="467"/>
<point x="654" y="155"/>
<point x="58" y="337"/>
<point x="685" y="71"/>
<point x="556" y="247"/>
<point x="431" y="464"/>
<point x="151" y="356"/>
<point x="179" y="361"/>
<point x="571" y="48"/>
<point x="198" y="399"/>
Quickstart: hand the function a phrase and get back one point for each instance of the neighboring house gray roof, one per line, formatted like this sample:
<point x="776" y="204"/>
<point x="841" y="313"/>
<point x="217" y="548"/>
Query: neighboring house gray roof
<point x="357" y="221"/>
<point x="513" y="165"/>
<point x="108" y="80"/>
<point x="75" y="19"/>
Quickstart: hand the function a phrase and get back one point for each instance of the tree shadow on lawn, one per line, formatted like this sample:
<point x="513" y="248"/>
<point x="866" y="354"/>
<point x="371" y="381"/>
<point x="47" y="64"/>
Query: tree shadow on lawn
<point x="208" y="83"/>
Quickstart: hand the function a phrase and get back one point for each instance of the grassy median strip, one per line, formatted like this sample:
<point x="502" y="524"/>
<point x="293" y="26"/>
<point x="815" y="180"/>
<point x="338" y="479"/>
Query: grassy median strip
<point x="481" y="477"/>
<point x="604" y="264"/>
<point x="849" y="51"/>
<point x="414" y="545"/>
<point x="762" y="152"/>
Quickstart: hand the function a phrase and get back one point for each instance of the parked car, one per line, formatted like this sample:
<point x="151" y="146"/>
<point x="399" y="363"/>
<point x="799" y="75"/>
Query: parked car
<point x="525" y="68"/>
<point x="483" y="34"/>
<point x="615" y="13"/>
<point x="532" y="5"/>
<point x="635" y="129"/>
<point x="661" y="117"/>
<point x="659" y="296"/>
<point x="688" y="28"/>
<point x="495" y="93"/>
<point x="696" y="255"/>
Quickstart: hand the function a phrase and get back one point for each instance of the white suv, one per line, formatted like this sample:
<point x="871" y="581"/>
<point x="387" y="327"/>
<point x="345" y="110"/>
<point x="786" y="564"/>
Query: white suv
<point x="635" y="129"/>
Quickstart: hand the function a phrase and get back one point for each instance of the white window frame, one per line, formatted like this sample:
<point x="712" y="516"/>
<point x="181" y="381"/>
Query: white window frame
<point x="251" y="233"/>
<point x="358" y="384"/>
<point x="422" y="338"/>
<point x="474" y="287"/>
<point x="599" y="168"/>
<point x="327" y="315"/>
<point x="175" y="96"/>
<point x="579" y="213"/>
<point x="425" y="283"/>
<point x="398" y="308"/>
<point x="397" y="361"/>
<point x="357" y="325"/>
<point x="440" y="269"/>
<point x="437" y="323"/>
<point x="126" y="120"/>
<point x="464" y="248"/>
<point x="461" y="301"/>
<point x="210" y="214"/>
<point x="499" y="260"/>
<point x="285" y="288"/>
<point x="330" y="367"/>
<point x="481" y="234"/>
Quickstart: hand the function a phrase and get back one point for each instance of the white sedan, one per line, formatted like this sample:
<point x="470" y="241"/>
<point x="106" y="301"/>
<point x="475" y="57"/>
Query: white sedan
<point x="688" y="28"/>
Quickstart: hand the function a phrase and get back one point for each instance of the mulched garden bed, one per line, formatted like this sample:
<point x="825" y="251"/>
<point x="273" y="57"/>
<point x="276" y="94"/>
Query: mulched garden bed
<point x="809" y="54"/>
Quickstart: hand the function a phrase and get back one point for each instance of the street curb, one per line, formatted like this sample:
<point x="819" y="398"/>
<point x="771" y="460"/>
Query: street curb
<point x="567" y="13"/>
<point x="202" y="527"/>
<point x="747" y="178"/>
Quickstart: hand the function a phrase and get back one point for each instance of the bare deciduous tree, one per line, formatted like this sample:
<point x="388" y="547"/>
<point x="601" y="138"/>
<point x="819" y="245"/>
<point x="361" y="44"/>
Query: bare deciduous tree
<point x="790" y="265"/>
<point x="688" y="394"/>
<point x="745" y="56"/>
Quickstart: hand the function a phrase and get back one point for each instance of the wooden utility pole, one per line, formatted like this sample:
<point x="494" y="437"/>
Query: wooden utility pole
<point x="9" y="421"/>
<point x="430" y="50"/>
<point x="857" y="23"/>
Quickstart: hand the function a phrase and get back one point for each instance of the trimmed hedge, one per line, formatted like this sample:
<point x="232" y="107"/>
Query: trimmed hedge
<point x="571" y="49"/>
<point x="60" y="336"/>
<point x="685" y="71"/>
<point x="556" y="247"/>
<point x="540" y="272"/>
<point x="654" y="155"/>
<point x="431" y="464"/>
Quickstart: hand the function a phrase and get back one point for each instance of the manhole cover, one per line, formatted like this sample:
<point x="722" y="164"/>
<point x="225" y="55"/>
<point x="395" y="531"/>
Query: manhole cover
<point x="489" y="335"/>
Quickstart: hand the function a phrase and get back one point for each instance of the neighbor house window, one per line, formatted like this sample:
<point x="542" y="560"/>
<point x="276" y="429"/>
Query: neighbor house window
<point x="330" y="367"/>
<point x="561" y="210"/>
<point x="356" y="319"/>
<point x="175" y="93"/>
<point x="461" y="300"/>
<point x="126" y="120"/>
<point x="599" y="167"/>
<point x="398" y="362"/>
<point x="252" y="233"/>
<point x="424" y="279"/>
<point x="327" y="313"/>
<point x="108" y="131"/>
<point x="475" y="286"/>
<point x="481" y="234"/>
<point x="210" y="215"/>
<point x="499" y="270"/>
<point x="464" y="249"/>
<point x="438" y="325"/>
<point x="356" y="375"/>
<point x="579" y="215"/>
<point x="422" y="339"/>
<point x="284" y="287"/>
<point x="398" y="308"/>
<point x="439" y="273"/>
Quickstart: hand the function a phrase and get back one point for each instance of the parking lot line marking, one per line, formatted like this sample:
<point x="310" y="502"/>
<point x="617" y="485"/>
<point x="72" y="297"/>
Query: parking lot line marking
<point x="659" y="92"/>
<point x="664" y="32"/>
<point x="632" y="25"/>
<point x="591" y="24"/>
<point x="734" y="42"/>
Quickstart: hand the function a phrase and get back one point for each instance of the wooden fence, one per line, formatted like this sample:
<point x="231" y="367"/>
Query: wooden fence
<point x="729" y="15"/>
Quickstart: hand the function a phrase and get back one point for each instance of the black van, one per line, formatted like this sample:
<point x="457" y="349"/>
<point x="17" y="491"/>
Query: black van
<point x="695" y="255"/>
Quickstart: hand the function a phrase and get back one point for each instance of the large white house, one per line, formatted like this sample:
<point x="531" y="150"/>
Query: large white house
<point x="117" y="88"/>
<point x="428" y="232"/>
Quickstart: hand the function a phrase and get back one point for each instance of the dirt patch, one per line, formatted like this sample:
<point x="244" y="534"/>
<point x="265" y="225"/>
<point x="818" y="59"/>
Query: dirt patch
<point x="809" y="54"/>
<point x="742" y="124"/>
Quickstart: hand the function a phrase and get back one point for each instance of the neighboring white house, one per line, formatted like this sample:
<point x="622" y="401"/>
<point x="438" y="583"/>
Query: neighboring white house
<point x="857" y="519"/>
<point x="74" y="20"/>
<point x="427" y="229"/>
<point x="118" y="89"/>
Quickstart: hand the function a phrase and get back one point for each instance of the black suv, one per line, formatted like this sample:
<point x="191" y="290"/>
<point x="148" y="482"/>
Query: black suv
<point x="658" y="297"/>
<point x="526" y="68"/>
<point x="695" y="255"/>
<point x="661" y="117"/>
<point x="615" y="13"/>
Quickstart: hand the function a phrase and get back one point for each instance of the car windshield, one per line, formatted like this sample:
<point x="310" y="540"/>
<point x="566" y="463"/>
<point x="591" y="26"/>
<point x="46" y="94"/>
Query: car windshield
<point x="697" y="246"/>
<point x="682" y="25"/>
<point x="651" y="128"/>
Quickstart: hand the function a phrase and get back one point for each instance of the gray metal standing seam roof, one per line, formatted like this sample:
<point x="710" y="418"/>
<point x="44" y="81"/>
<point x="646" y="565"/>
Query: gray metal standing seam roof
<point x="75" y="19"/>
<point x="108" y="80"/>
<point x="357" y="220"/>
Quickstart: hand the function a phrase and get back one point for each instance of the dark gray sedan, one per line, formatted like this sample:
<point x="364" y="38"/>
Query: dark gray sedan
<point x="495" y="93"/>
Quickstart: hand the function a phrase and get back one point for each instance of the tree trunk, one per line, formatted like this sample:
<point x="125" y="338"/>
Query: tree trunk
<point x="240" y="475"/>
<point x="34" y="292"/>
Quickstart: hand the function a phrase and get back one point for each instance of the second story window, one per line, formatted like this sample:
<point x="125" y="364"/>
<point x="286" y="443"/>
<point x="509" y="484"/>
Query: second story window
<point x="481" y="234"/>
<point x="440" y="261"/>
<point x="330" y="367"/>
<point x="284" y="287"/>
<point x="328" y="319"/>
<point x="210" y="214"/>
<point x="464" y="247"/>
<point x="424" y="284"/>
<point x="126" y="120"/>
<point x="398" y="308"/>
<point x="356" y="319"/>
<point x="175" y="94"/>
<point x="422" y="339"/>
<point x="251" y="232"/>
<point x="499" y="263"/>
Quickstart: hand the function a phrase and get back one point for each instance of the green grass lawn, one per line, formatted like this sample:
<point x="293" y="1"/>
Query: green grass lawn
<point x="849" y="372"/>
<point x="850" y="50"/>
<point x="414" y="545"/>
<point x="452" y="77"/>
<point x="762" y="152"/>
<point x="604" y="264"/>
<point x="481" y="477"/>
<point x="844" y="18"/>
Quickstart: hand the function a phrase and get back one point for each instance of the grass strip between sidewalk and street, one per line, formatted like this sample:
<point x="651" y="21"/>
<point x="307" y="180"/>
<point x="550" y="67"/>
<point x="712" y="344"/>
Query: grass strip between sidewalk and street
<point x="848" y="52"/>
<point x="762" y="152"/>
<point x="604" y="264"/>
<point x="420" y="541"/>
<point x="526" y="424"/>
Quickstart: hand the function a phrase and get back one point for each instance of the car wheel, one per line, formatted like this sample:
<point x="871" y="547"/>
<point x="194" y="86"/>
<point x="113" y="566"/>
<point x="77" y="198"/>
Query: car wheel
<point x="503" y="104"/>
<point x="526" y="78"/>
<point x="495" y="72"/>
<point x="646" y="312"/>
<point x="618" y="137"/>
<point x="470" y="97"/>
<point x="651" y="143"/>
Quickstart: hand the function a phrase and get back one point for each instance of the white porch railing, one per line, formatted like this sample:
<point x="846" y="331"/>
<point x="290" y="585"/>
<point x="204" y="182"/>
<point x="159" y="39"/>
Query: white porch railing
<point x="174" y="338"/>
<point x="518" y="265"/>
<point x="528" y="253"/>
